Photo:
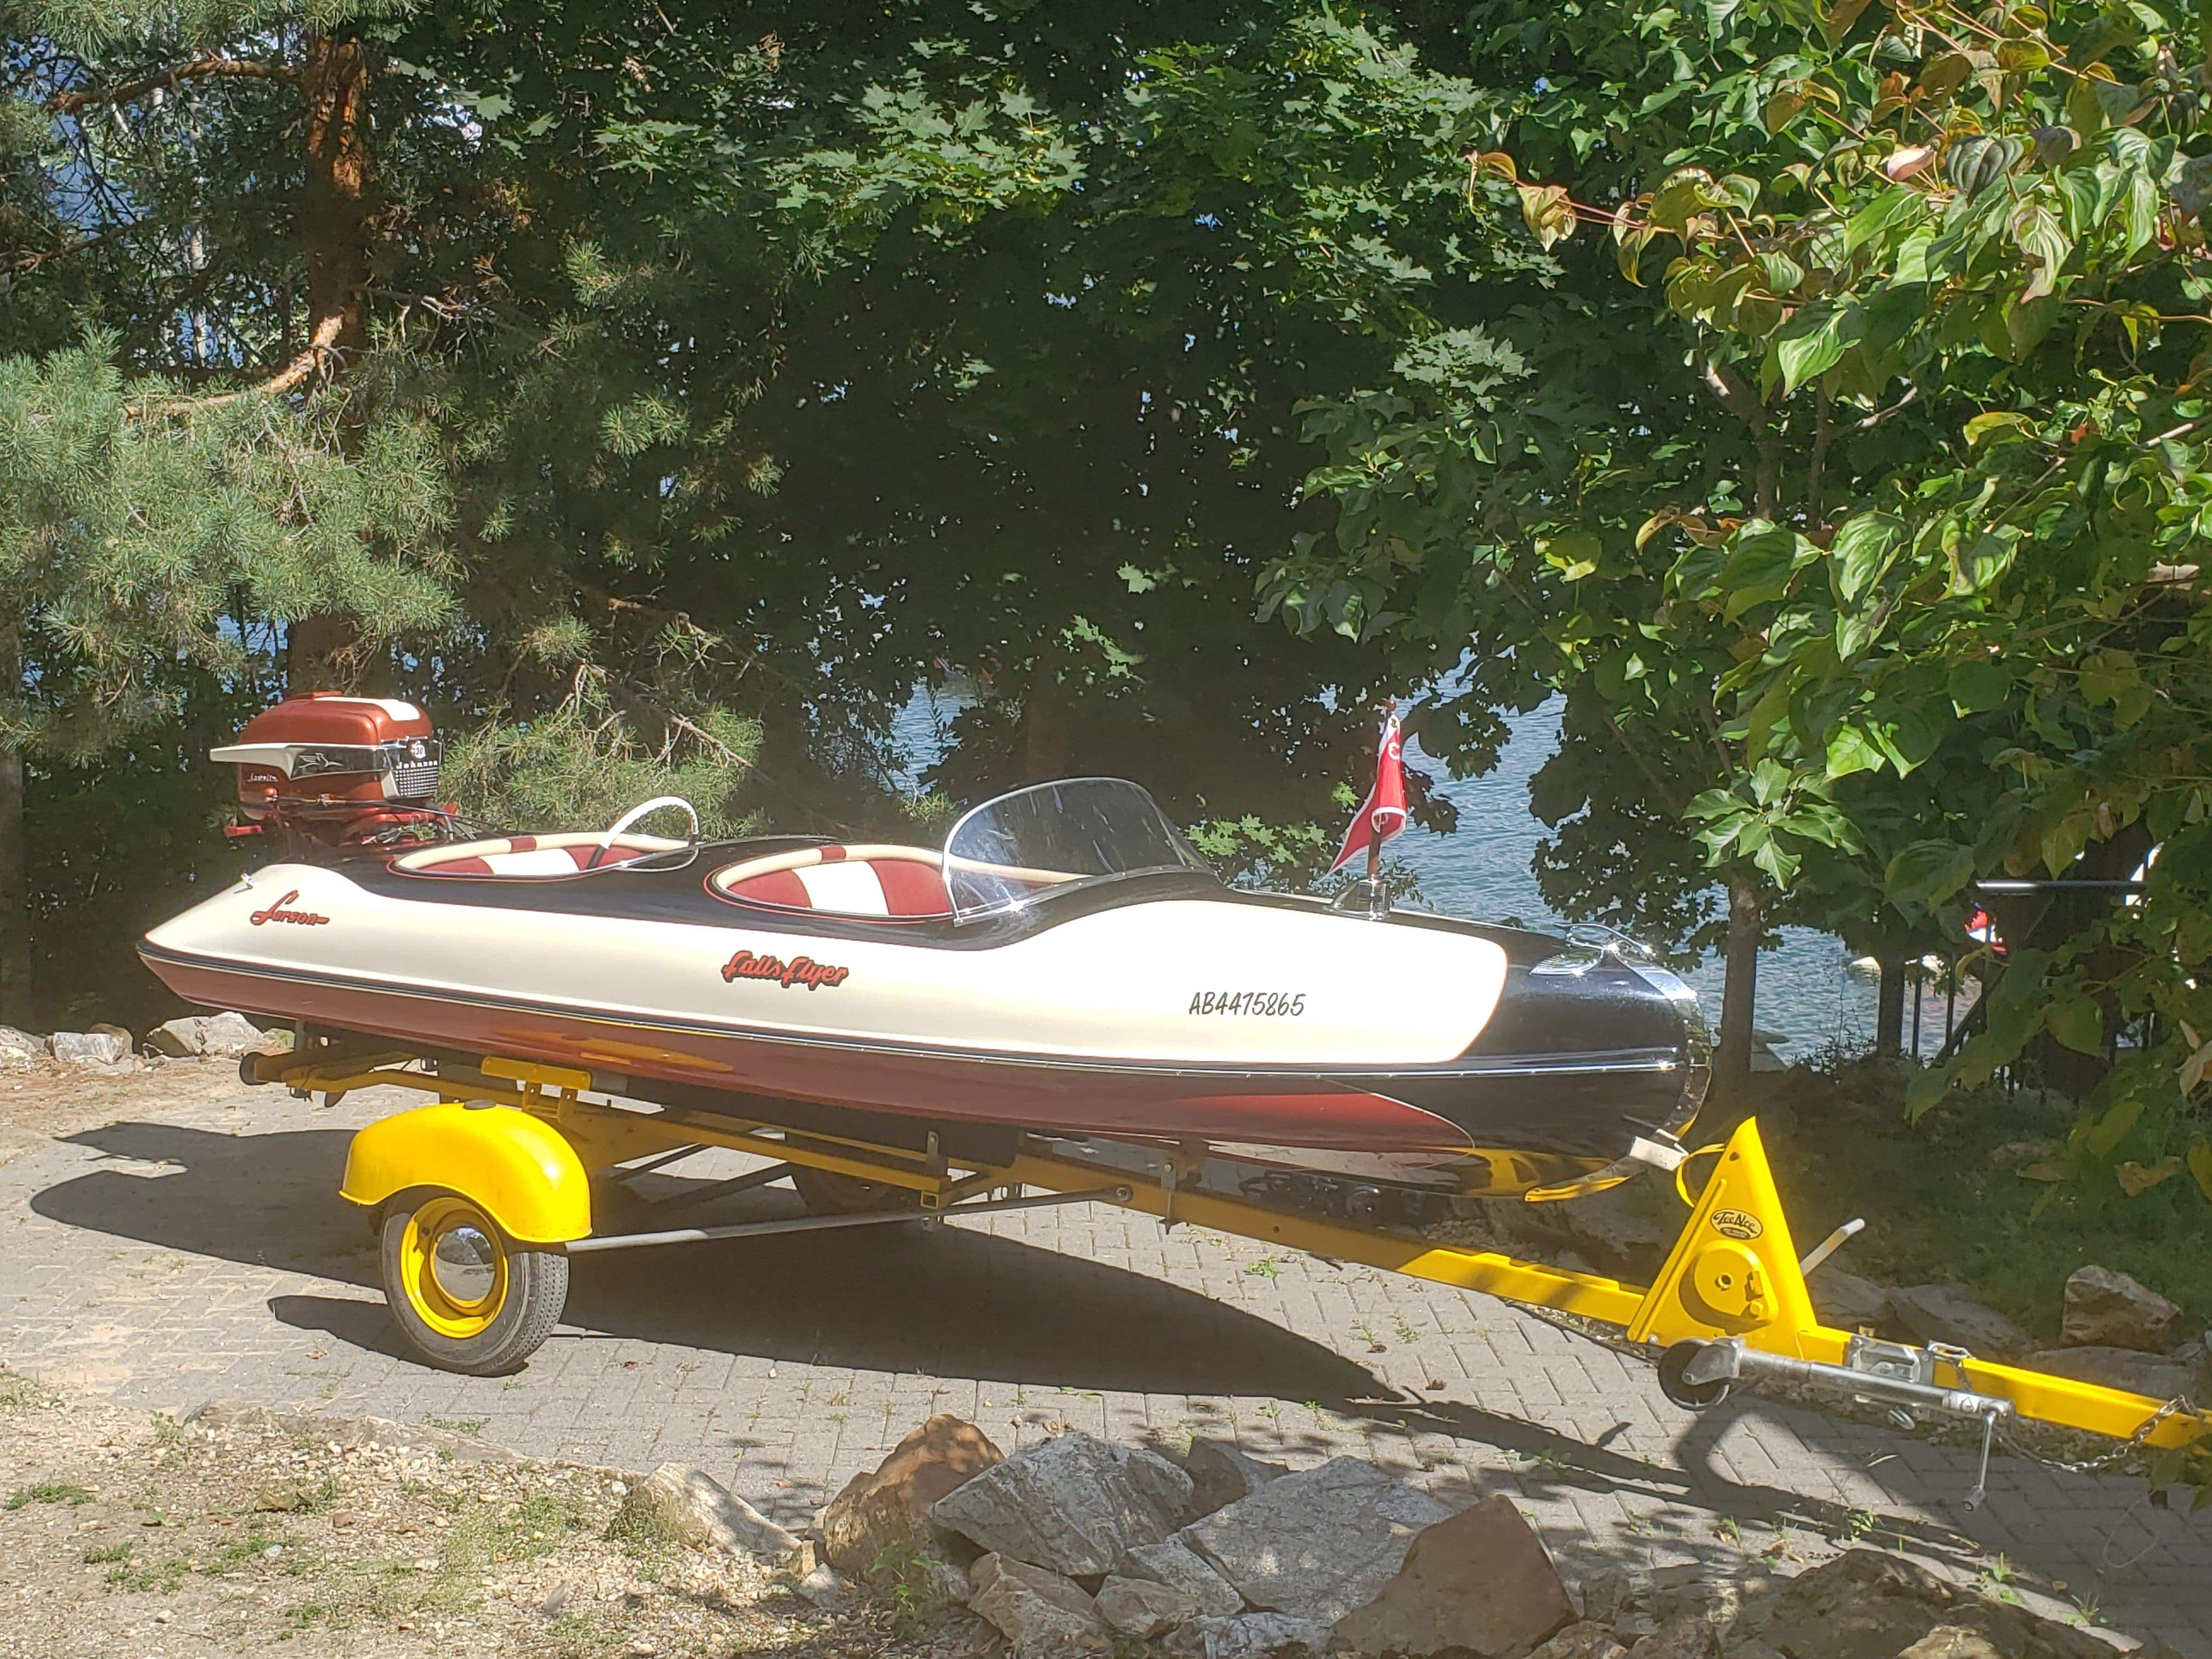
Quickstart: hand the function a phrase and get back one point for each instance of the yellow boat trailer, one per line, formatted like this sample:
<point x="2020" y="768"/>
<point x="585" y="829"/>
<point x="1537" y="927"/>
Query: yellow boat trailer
<point x="483" y="1199"/>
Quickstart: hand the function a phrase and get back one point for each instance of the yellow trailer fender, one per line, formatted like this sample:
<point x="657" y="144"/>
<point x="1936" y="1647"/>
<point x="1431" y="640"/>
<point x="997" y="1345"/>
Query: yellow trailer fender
<point x="517" y="1167"/>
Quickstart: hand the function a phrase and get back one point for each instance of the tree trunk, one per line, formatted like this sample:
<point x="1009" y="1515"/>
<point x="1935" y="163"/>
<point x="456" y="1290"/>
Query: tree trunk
<point x="1044" y="728"/>
<point x="1889" y="1011"/>
<point x="320" y="655"/>
<point x="1732" y="1059"/>
<point x="333" y="216"/>
<point x="14" y="897"/>
<point x="15" y="884"/>
<point x="319" y="650"/>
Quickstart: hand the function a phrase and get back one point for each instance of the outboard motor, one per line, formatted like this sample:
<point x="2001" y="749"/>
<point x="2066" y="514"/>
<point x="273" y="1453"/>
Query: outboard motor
<point x="332" y="770"/>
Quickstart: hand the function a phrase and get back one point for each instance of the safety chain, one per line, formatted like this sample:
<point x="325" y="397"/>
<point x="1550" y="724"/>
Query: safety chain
<point x="2172" y="1407"/>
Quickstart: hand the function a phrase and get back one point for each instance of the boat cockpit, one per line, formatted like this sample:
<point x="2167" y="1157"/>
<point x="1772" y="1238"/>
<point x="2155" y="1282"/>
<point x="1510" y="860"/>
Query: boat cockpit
<point x="1004" y="854"/>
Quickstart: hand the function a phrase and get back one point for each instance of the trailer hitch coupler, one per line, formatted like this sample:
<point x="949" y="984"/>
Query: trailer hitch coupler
<point x="1697" y="1374"/>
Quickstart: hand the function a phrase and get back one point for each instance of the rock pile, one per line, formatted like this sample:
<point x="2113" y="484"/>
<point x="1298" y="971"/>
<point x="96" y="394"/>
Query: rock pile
<point x="1074" y="1544"/>
<point x="111" y="1048"/>
<point x="1075" y="1548"/>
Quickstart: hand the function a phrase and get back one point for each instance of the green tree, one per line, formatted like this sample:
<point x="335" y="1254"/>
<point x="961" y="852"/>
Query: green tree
<point x="1906" y="488"/>
<point x="774" y="358"/>
<point x="252" y="208"/>
<point x="140" y="536"/>
<point x="1068" y="278"/>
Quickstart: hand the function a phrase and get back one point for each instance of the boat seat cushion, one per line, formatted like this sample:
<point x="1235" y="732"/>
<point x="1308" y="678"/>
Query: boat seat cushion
<point x="896" y="889"/>
<point x="529" y="855"/>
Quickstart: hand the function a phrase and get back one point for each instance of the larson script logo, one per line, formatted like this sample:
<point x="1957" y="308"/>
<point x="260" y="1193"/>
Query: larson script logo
<point x="277" y="911"/>
<point x="799" y="971"/>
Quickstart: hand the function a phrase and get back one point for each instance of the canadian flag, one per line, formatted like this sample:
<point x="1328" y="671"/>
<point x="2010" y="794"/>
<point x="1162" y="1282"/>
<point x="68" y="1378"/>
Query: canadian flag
<point x="1382" y="814"/>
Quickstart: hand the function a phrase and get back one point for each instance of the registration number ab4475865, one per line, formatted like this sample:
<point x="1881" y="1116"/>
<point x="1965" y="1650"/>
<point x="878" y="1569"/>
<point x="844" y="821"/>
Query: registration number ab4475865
<point x="1263" y="1004"/>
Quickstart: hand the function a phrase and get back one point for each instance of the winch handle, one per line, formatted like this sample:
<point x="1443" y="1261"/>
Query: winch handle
<point x="639" y="811"/>
<point x="1834" y="1242"/>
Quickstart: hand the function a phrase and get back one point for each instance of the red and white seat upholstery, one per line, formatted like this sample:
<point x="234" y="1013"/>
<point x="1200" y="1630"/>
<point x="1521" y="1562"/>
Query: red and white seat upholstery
<point x="532" y="855"/>
<point x="893" y="882"/>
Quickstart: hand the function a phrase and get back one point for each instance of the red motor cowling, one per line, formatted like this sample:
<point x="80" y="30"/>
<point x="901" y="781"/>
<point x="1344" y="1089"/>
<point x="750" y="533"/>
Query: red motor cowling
<point x="336" y="769"/>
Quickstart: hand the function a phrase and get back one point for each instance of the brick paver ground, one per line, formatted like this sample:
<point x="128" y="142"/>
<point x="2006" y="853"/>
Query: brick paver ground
<point x="200" y="1252"/>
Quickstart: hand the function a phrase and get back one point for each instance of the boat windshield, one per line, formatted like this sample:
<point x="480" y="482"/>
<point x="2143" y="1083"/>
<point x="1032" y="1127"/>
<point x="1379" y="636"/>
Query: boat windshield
<point x="1055" y="837"/>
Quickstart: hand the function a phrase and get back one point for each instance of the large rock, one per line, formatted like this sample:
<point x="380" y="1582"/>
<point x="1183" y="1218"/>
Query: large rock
<point x="233" y="1036"/>
<point x="1221" y="1475"/>
<point x="1944" y="1313"/>
<point x="697" y="1509"/>
<point x="103" y="1045"/>
<point x="1174" y="1563"/>
<point x="2151" y="1374"/>
<point x="1607" y="1594"/>
<point x="222" y="1036"/>
<point x="882" y="1517"/>
<point x="1954" y="1641"/>
<point x="181" y="1038"/>
<point x="1041" y="1614"/>
<point x="1865" y="1605"/>
<point x="2105" y="1309"/>
<point x="20" y="1048"/>
<point x="1144" y="1608"/>
<point x="1319" y="1543"/>
<point x="1849" y="1303"/>
<point x="1247" y="1636"/>
<point x="1074" y="1503"/>
<point x="1479" y="1582"/>
<point x="1643" y="1602"/>
<point x="2196" y="1355"/>
<point x="1687" y="1638"/>
<point x="1583" y="1641"/>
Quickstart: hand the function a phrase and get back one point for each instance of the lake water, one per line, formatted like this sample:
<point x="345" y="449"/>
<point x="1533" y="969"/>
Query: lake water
<point x="1808" y="995"/>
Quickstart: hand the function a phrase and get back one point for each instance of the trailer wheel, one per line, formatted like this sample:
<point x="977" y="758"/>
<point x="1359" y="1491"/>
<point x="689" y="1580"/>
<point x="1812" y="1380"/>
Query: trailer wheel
<point x="1690" y="1396"/>
<point x="468" y="1299"/>
<point x="827" y="1193"/>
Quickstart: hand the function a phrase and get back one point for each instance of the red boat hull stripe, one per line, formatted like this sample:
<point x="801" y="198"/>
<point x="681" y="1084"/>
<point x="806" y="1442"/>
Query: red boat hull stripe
<point x="1287" y="1111"/>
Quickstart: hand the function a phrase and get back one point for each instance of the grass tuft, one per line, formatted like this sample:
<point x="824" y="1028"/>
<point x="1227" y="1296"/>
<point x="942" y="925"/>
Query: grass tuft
<point x="48" y="1491"/>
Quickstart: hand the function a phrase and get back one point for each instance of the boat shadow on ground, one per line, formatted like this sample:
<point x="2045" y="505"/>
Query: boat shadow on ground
<point x="949" y="1300"/>
<point x="946" y="1302"/>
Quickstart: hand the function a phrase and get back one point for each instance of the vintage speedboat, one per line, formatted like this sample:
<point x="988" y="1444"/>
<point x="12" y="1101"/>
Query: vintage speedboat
<point x="1064" y="964"/>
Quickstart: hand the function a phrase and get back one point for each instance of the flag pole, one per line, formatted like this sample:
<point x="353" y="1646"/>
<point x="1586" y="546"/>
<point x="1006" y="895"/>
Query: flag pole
<point x="1377" y="905"/>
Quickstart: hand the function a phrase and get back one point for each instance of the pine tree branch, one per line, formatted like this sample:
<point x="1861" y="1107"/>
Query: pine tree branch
<point x="32" y="260"/>
<point x="321" y="350"/>
<point x="710" y="739"/>
<point x="252" y="68"/>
